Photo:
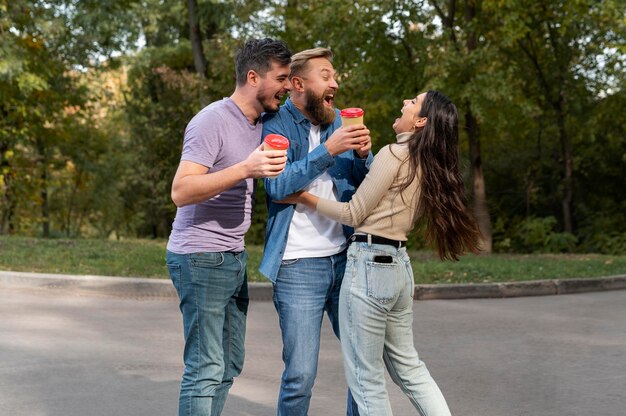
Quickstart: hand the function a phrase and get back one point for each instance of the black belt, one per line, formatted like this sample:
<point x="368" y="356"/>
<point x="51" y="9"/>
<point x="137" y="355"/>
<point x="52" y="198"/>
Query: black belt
<point x="374" y="239"/>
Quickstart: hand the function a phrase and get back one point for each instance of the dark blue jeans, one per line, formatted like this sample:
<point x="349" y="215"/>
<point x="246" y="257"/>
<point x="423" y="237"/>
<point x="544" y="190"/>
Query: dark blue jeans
<point x="213" y="293"/>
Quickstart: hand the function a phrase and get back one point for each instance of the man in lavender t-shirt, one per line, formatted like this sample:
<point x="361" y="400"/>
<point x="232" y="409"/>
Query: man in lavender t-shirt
<point x="212" y="189"/>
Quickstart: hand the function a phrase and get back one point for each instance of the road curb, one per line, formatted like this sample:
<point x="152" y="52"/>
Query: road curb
<point x="517" y="289"/>
<point x="138" y="287"/>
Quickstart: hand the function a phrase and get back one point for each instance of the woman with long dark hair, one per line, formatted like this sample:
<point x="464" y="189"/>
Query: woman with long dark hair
<point x="415" y="180"/>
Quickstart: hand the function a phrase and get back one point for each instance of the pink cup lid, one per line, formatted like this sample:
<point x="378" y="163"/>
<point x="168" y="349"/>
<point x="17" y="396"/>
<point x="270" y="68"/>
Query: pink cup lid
<point x="276" y="141"/>
<point x="351" y="112"/>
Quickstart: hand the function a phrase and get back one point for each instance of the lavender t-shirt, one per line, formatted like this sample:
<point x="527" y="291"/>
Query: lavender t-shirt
<point x="218" y="136"/>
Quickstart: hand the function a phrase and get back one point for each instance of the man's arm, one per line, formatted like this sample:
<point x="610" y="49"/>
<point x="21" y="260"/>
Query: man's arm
<point x="193" y="184"/>
<point x="360" y="168"/>
<point x="362" y="161"/>
<point x="298" y="174"/>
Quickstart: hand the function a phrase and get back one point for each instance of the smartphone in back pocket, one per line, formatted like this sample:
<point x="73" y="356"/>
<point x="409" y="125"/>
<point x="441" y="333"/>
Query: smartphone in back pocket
<point x="383" y="259"/>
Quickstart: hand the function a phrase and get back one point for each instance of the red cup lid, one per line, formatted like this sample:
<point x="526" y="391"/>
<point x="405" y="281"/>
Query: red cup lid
<point x="351" y="112"/>
<point x="276" y="141"/>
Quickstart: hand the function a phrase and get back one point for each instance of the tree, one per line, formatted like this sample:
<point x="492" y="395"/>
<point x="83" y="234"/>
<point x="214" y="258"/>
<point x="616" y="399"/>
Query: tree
<point x="555" y="46"/>
<point x="95" y="96"/>
<point x="195" y="36"/>
<point x="465" y="56"/>
<point x="46" y="47"/>
<point x="187" y="64"/>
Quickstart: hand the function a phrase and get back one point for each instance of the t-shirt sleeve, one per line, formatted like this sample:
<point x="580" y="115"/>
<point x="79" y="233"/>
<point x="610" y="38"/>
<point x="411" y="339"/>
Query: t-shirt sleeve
<point x="203" y="139"/>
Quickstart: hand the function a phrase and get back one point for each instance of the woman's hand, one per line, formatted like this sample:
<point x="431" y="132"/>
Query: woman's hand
<point x="294" y="198"/>
<point x="301" y="197"/>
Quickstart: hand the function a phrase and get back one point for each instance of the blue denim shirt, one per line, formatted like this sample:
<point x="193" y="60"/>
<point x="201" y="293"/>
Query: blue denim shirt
<point x="346" y="170"/>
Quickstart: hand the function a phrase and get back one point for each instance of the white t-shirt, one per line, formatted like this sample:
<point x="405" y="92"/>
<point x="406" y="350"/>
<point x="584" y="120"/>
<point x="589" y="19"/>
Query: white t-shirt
<point x="312" y="234"/>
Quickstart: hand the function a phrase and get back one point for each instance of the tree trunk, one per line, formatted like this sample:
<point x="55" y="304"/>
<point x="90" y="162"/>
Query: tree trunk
<point x="291" y="18"/>
<point x="481" y="210"/>
<point x="5" y="210"/>
<point x="45" y="211"/>
<point x="72" y="202"/>
<point x="195" y="35"/>
<point x="568" y="169"/>
<point x="7" y="226"/>
<point x="566" y="145"/>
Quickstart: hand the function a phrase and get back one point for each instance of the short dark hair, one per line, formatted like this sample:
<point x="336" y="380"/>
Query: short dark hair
<point x="257" y="55"/>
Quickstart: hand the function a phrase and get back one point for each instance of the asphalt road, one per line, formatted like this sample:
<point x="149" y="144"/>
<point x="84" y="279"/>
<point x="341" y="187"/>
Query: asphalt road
<point x="82" y="355"/>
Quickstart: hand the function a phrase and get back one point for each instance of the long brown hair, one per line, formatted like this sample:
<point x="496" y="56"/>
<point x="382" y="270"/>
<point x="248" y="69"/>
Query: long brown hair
<point x="433" y="154"/>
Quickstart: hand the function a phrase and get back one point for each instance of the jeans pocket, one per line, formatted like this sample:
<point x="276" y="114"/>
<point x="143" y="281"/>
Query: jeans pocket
<point x="174" y="270"/>
<point x="207" y="259"/>
<point x="382" y="281"/>
<point x="289" y="262"/>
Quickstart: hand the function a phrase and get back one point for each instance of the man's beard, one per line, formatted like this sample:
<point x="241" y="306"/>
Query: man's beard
<point x="315" y="107"/>
<point x="267" y="101"/>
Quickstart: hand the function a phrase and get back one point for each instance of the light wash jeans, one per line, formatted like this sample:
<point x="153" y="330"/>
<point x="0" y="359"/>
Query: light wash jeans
<point x="375" y="319"/>
<point x="213" y="293"/>
<point x="304" y="289"/>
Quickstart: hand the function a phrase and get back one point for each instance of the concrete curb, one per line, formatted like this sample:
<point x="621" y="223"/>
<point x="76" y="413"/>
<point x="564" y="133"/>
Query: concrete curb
<point x="516" y="289"/>
<point x="136" y="287"/>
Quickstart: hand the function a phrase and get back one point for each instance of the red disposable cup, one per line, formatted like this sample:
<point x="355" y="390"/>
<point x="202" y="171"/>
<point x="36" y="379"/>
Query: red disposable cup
<point x="351" y="116"/>
<point x="275" y="142"/>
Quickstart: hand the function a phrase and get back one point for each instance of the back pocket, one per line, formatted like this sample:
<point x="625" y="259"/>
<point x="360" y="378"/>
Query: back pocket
<point x="382" y="281"/>
<point x="174" y="270"/>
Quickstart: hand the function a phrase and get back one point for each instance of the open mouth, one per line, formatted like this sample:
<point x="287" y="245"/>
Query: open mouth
<point x="329" y="100"/>
<point x="279" y="96"/>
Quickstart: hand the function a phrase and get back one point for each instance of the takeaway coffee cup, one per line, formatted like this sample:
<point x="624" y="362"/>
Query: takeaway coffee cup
<point x="351" y="116"/>
<point x="275" y="142"/>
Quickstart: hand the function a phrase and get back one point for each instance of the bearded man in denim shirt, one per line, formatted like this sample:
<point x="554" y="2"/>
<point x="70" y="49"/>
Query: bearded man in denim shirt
<point x="305" y="253"/>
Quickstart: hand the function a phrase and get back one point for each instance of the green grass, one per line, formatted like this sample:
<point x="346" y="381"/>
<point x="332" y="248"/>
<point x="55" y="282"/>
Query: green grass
<point x="146" y="258"/>
<point x="137" y="258"/>
<point x="514" y="267"/>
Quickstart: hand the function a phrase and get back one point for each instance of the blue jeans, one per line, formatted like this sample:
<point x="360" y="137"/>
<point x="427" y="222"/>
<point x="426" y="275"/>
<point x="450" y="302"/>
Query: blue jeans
<point x="213" y="293"/>
<point x="304" y="289"/>
<point x="375" y="319"/>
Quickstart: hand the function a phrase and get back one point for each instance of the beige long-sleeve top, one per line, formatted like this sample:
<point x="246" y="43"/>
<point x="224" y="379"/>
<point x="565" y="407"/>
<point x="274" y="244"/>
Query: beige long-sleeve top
<point x="377" y="207"/>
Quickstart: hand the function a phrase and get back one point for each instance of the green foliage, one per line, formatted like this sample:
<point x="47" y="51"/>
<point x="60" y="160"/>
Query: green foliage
<point x="377" y="47"/>
<point x="95" y="96"/>
<point x="40" y="111"/>
<point x="539" y="235"/>
<point x="536" y="235"/>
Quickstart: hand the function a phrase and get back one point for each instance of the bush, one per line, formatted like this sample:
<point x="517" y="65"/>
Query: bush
<point x="605" y="243"/>
<point x="538" y="235"/>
